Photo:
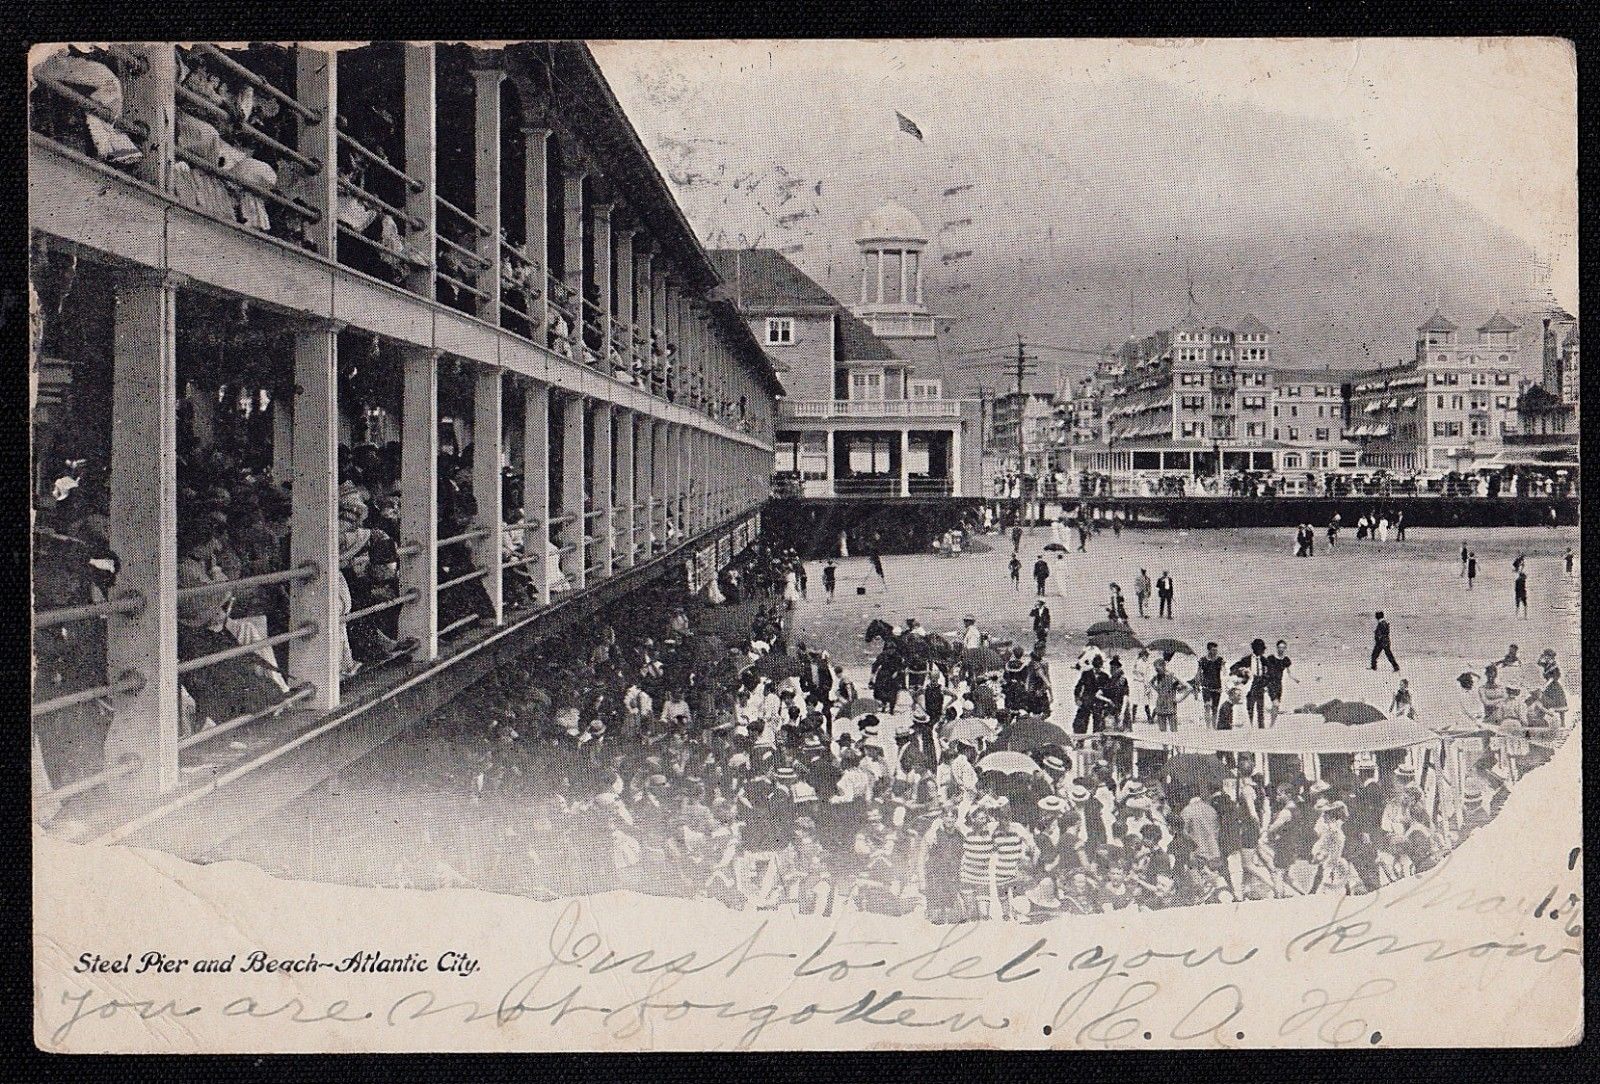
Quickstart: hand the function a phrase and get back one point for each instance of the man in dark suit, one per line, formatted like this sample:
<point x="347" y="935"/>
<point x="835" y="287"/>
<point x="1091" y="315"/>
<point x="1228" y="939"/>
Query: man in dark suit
<point x="1380" y="642"/>
<point x="1041" y="621"/>
<point x="1164" y="594"/>
<point x="1091" y="683"/>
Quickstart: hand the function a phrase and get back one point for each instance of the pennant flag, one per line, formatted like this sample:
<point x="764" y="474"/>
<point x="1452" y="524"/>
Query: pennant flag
<point x="907" y="125"/>
<point x="957" y="188"/>
<point x="956" y="222"/>
<point x="951" y="257"/>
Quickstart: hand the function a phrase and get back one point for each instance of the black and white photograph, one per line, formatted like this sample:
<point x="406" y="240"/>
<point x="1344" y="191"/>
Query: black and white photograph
<point x="779" y="544"/>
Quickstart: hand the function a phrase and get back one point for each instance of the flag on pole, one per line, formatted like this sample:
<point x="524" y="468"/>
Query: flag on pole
<point x="907" y="125"/>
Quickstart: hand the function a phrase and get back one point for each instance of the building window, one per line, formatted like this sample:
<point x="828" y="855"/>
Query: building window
<point x="1294" y="411"/>
<point x="1447" y="429"/>
<point x="1480" y="427"/>
<point x="1502" y="378"/>
<point x="1191" y="379"/>
<point x="1322" y="434"/>
<point x="1259" y="429"/>
<point x="1452" y="378"/>
<point x="1194" y="402"/>
<point x="866" y="384"/>
<point x="1194" y="429"/>
<point x="780" y="331"/>
<point x="923" y="389"/>
<point x="1257" y="402"/>
<point x="1503" y="402"/>
<point x="1441" y="402"/>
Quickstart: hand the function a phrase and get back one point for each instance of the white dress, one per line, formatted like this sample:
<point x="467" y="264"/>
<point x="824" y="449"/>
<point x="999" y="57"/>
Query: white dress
<point x="791" y="588"/>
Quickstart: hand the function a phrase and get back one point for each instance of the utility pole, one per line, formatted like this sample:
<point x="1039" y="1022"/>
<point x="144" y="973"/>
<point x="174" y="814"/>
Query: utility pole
<point x="1023" y="360"/>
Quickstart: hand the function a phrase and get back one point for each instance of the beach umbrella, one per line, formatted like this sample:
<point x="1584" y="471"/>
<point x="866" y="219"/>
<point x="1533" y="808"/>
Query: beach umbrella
<point x="1167" y="645"/>
<point x="1184" y="667"/>
<point x="969" y="728"/>
<point x="1352" y="713"/>
<point x="1194" y="769"/>
<point x="861" y="705"/>
<point x="1119" y="639"/>
<point x="1107" y="626"/>
<point x="1032" y="733"/>
<point x="1055" y="547"/>
<point x="982" y="659"/>
<point x="1010" y="763"/>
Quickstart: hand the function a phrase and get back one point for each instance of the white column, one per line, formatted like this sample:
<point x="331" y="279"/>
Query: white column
<point x="600" y="490"/>
<point x="419" y="496"/>
<point x="644" y="485"/>
<point x="420" y="161"/>
<point x="905" y="462"/>
<point x="828" y="481"/>
<point x="623" y="436"/>
<point x="486" y="174"/>
<point x="625" y="287"/>
<point x="603" y="280"/>
<point x="575" y="527"/>
<point x="144" y="532"/>
<point x="282" y="437"/>
<point x="314" y="520"/>
<point x="536" y="221"/>
<point x="487" y="443"/>
<point x="880" y="276"/>
<point x="866" y="274"/>
<point x="955" y="461"/>
<point x="149" y="99"/>
<point x="659" y="436"/>
<point x="572" y="235"/>
<point x="905" y="280"/>
<point x="536" y="484"/>
<point x="316" y="87"/>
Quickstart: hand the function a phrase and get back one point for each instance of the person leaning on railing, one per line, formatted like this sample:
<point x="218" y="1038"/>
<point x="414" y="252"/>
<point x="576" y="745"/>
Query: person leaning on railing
<point x="240" y="685"/>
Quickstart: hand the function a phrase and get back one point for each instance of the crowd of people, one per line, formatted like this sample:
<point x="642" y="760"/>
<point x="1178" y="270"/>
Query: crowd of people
<point x="656" y="755"/>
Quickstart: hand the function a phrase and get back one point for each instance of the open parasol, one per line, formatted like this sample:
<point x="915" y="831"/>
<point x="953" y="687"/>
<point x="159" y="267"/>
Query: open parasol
<point x="1352" y="713"/>
<point x="861" y="705"/>
<point x="969" y="728"/>
<point x="1166" y="645"/>
<point x="1031" y="733"/>
<point x="1010" y="763"/>
<point x="1055" y="547"/>
<point x="777" y="665"/>
<point x="1107" y="626"/>
<point x="1118" y="639"/>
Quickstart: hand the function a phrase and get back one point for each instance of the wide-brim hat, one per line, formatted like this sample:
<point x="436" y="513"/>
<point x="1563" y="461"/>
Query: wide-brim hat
<point x="1078" y="793"/>
<point x="1054" y="764"/>
<point x="1052" y="803"/>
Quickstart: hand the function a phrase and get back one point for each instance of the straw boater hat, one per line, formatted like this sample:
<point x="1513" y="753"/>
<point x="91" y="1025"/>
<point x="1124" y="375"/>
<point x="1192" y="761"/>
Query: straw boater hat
<point x="1405" y="772"/>
<point x="1079" y="793"/>
<point x="786" y="774"/>
<point x="1319" y="787"/>
<point x="1052" y="803"/>
<point x="1054" y="764"/>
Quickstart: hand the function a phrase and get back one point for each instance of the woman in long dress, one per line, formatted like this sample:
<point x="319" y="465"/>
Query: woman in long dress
<point x="1140" y="674"/>
<point x="791" y="589"/>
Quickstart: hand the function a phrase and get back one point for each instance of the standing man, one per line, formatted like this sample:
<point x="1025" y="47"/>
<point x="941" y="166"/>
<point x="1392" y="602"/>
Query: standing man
<point x="1141" y="589"/>
<point x="877" y="566"/>
<point x="1083" y="530"/>
<point x="1472" y="569"/>
<point x="1016" y="572"/>
<point x="1091" y="683"/>
<point x="1464" y="556"/>
<point x="1016" y="537"/>
<point x="1567" y="557"/>
<point x="1041" y="573"/>
<point x="830" y="578"/>
<point x="1208" y="682"/>
<point x="1164" y="595"/>
<point x="1168" y="690"/>
<point x="1519" y="594"/>
<point x="971" y="636"/>
<point x="1380" y="642"/>
<point x="1277" y="665"/>
<point x="1400" y="526"/>
<point x="1041" y="621"/>
<point x="1253" y="668"/>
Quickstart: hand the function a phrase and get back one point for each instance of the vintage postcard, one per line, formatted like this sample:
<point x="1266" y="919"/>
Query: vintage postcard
<point x="760" y="545"/>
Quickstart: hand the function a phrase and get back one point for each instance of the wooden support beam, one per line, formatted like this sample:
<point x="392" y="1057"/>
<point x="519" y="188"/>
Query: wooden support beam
<point x="623" y="438"/>
<point x="419" y="496"/>
<point x="600" y="491"/>
<point x="317" y="87"/>
<point x="487" y="450"/>
<point x="421" y="161"/>
<point x="486" y="176"/>
<point x="314" y="513"/>
<point x="575" y="526"/>
<point x="536" y="220"/>
<point x="536" y="484"/>
<point x="144" y="532"/>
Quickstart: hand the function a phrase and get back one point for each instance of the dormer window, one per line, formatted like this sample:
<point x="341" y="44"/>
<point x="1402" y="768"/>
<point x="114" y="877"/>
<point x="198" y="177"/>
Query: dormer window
<point x="780" y="331"/>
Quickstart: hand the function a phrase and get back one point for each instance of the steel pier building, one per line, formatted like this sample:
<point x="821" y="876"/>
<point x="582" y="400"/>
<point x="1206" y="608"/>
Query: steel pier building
<point x="457" y="262"/>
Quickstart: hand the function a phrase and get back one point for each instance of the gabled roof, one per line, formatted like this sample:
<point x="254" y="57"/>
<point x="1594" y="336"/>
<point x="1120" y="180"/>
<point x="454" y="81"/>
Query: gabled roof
<point x="857" y="341"/>
<point x="1572" y="337"/>
<point x="1499" y="322"/>
<point x="764" y="280"/>
<point x="1437" y="322"/>
<point x="1249" y="325"/>
<point x="1536" y="399"/>
<point x="1217" y="329"/>
<point x="1191" y="323"/>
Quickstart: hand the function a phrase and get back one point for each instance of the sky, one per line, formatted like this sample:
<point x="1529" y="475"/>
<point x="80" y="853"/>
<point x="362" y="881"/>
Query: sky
<point x="1341" y="186"/>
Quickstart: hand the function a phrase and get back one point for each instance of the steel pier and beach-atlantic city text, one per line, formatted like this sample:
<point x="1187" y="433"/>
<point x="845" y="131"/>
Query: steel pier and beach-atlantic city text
<point x="258" y="962"/>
